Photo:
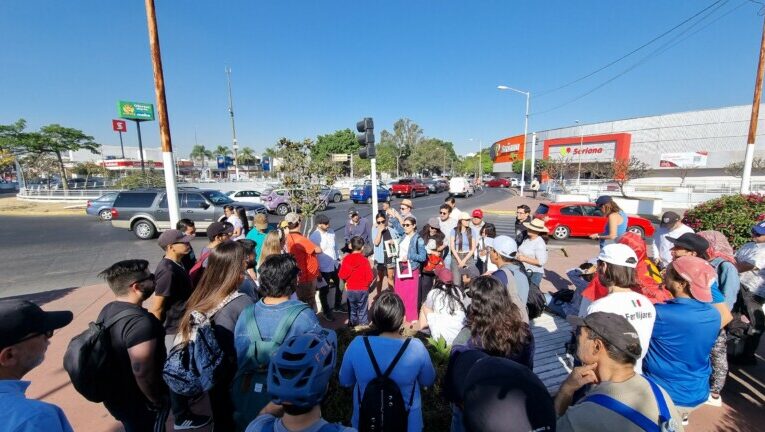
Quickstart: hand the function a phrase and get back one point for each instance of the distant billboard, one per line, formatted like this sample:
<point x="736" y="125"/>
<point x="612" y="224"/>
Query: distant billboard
<point x="684" y="160"/>
<point x="136" y="111"/>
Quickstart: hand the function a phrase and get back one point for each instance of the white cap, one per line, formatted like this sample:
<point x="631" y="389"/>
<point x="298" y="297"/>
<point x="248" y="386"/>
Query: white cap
<point x="505" y="246"/>
<point x="618" y="254"/>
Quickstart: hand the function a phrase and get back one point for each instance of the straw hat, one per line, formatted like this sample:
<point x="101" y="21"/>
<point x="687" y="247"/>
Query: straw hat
<point x="537" y="225"/>
<point x="408" y="203"/>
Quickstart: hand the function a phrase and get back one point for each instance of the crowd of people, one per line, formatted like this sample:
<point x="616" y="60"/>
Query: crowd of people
<point x="240" y="323"/>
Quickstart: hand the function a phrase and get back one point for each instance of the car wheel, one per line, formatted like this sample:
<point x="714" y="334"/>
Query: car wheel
<point x="637" y="230"/>
<point x="413" y="194"/>
<point x="337" y="198"/>
<point x="144" y="230"/>
<point x="322" y="206"/>
<point x="105" y="214"/>
<point x="561" y="232"/>
<point x="369" y="200"/>
<point x="282" y="209"/>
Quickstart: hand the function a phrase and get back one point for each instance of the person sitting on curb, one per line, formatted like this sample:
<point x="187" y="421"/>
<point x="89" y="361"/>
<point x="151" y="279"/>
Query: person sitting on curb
<point x="621" y="399"/>
<point x="298" y="379"/>
<point x="25" y="332"/>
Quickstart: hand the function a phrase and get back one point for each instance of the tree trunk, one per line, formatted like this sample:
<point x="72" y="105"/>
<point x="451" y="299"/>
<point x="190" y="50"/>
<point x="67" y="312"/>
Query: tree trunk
<point x="64" y="183"/>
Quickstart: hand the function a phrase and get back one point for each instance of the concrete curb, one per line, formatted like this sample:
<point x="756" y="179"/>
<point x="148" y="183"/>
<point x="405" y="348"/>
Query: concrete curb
<point x="500" y="212"/>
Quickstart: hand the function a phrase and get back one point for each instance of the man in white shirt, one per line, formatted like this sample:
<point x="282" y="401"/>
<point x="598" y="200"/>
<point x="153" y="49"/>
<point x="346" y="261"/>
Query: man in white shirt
<point x="672" y="227"/>
<point x="616" y="271"/>
<point x="325" y="239"/>
<point x="750" y="261"/>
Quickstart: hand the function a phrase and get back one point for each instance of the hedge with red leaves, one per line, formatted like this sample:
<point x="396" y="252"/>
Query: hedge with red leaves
<point x="732" y="215"/>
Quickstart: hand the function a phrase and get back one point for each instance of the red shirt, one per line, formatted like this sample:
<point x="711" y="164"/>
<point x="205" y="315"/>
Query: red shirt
<point x="304" y="251"/>
<point x="356" y="272"/>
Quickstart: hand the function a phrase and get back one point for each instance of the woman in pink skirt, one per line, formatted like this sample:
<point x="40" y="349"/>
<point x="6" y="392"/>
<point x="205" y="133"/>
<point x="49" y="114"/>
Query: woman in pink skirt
<point x="411" y="254"/>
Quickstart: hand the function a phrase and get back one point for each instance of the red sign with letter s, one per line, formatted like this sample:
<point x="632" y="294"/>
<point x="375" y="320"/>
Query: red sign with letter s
<point x="119" y="125"/>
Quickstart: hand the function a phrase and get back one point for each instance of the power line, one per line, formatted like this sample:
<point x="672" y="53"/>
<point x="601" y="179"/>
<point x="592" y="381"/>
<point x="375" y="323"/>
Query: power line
<point x="660" y="50"/>
<point x="545" y="92"/>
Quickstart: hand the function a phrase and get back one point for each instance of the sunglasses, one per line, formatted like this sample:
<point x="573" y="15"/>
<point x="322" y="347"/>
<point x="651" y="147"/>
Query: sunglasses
<point x="150" y="277"/>
<point x="403" y="207"/>
<point x="48" y="334"/>
<point x="443" y="212"/>
<point x="406" y="225"/>
<point x="381" y="221"/>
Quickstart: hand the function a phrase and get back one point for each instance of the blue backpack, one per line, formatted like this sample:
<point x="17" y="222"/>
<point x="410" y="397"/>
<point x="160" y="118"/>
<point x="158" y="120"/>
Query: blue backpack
<point x="329" y="427"/>
<point x="665" y="422"/>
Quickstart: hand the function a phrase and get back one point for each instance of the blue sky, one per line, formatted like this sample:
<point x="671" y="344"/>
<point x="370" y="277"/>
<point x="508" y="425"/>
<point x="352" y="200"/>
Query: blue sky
<point x="303" y="68"/>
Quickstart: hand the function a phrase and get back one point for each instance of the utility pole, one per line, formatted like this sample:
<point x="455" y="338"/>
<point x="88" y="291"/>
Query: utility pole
<point x="164" y="121"/>
<point x="235" y="145"/>
<point x="746" y="178"/>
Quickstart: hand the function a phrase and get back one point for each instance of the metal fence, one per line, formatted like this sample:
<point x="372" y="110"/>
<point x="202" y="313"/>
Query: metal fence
<point x="76" y="195"/>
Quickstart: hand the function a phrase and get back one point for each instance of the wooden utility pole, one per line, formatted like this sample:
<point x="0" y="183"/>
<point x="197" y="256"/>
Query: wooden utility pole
<point x="164" y="123"/>
<point x="746" y="180"/>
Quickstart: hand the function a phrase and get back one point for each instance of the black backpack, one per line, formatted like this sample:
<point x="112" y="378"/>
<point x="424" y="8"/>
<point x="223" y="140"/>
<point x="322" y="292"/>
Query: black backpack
<point x="382" y="408"/>
<point x="88" y="356"/>
<point x="747" y="326"/>
<point x="536" y="301"/>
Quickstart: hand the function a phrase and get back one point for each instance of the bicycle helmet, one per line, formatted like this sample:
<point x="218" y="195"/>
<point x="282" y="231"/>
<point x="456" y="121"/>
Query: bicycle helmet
<point x="300" y="369"/>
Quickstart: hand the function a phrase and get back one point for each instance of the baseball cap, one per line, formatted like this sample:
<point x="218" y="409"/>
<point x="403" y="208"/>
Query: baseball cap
<point x="692" y="242"/>
<point x="618" y="254"/>
<point x="470" y="271"/>
<point x="217" y="228"/>
<point x="699" y="275"/>
<point x="460" y="363"/>
<point x="615" y="329"/>
<point x="260" y="221"/>
<point x="463" y="216"/>
<point x="478" y="213"/>
<point x="603" y="200"/>
<point x="292" y="218"/>
<point x="173" y="236"/>
<point x="434" y="222"/>
<point x="322" y="219"/>
<point x="444" y="274"/>
<point x="759" y="229"/>
<point x="502" y="395"/>
<point x="505" y="246"/>
<point x="22" y="318"/>
<point x="669" y="218"/>
<point x="352" y="211"/>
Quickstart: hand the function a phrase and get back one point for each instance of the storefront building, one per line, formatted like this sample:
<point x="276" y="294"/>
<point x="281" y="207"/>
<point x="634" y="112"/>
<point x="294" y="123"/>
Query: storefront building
<point x="699" y="143"/>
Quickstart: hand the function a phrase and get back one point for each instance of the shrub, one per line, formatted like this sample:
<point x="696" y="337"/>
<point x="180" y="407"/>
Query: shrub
<point x="139" y="180"/>
<point x="436" y="412"/>
<point x="732" y="215"/>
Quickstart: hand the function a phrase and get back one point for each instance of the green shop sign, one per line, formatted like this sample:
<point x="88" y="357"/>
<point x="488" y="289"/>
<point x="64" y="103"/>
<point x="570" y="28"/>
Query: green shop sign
<point x="136" y="111"/>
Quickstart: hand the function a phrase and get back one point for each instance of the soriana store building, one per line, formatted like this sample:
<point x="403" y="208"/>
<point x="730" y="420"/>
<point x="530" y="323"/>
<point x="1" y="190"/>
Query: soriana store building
<point x="702" y="143"/>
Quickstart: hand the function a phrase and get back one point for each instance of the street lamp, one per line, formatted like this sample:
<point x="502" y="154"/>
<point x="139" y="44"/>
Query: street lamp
<point x="581" y="142"/>
<point x="525" y="130"/>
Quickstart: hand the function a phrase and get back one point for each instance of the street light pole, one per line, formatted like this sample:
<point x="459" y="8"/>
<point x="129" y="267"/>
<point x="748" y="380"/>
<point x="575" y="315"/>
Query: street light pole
<point x="749" y="156"/>
<point x="235" y="145"/>
<point x="525" y="130"/>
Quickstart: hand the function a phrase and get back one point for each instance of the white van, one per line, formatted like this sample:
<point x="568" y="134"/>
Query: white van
<point x="460" y="186"/>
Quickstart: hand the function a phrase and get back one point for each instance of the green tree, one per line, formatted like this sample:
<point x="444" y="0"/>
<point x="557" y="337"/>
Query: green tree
<point x="152" y="178"/>
<point x="247" y="157"/>
<point x="405" y="137"/>
<point x="39" y="166"/>
<point x="200" y="153"/>
<point x="304" y="177"/>
<point x="55" y="139"/>
<point x="13" y="137"/>
<point x="621" y="171"/>
<point x="271" y="152"/>
<point x="89" y="169"/>
<point x="341" y="141"/>
<point x="222" y="151"/>
<point x="432" y="155"/>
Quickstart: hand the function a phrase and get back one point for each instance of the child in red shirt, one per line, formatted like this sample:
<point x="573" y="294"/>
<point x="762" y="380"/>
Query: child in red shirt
<point x="357" y="274"/>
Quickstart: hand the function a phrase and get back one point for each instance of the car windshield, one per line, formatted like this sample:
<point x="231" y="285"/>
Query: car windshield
<point x="217" y="197"/>
<point x="406" y="181"/>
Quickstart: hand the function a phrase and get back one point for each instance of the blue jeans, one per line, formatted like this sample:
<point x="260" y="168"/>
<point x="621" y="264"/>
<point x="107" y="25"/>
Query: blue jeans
<point x="357" y="307"/>
<point x="536" y="278"/>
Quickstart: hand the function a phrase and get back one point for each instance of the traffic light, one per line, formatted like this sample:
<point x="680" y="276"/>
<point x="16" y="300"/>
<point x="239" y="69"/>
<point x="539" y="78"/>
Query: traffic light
<point x="366" y="138"/>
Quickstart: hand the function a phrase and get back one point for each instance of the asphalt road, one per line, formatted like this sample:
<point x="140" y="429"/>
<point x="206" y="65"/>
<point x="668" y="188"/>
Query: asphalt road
<point x="41" y="254"/>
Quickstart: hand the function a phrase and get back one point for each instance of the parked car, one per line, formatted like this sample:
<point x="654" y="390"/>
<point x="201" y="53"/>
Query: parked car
<point x="499" y="182"/>
<point x="247" y="195"/>
<point x="333" y="194"/>
<point x="581" y="219"/>
<point x="145" y="212"/>
<point x="410" y="187"/>
<point x="101" y="206"/>
<point x="460" y="186"/>
<point x="278" y="201"/>
<point x="436" y="186"/>
<point x="363" y="193"/>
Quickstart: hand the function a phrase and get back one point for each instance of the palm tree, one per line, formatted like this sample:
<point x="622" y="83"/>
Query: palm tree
<point x="247" y="157"/>
<point x="222" y="151"/>
<point x="199" y="152"/>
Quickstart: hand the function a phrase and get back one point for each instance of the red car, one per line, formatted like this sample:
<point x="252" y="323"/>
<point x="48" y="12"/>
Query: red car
<point x="581" y="219"/>
<point x="498" y="182"/>
<point x="410" y="188"/>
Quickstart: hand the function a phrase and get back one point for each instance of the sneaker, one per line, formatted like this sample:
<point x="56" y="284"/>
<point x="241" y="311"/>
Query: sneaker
<point x="342" y="308"/>
<point x="714" y="400"/>
<point x="192" y="421"/>
<point x="328" y="316"/>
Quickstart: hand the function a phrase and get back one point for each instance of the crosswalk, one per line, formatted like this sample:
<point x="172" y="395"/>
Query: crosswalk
<point x="505" y="224"/>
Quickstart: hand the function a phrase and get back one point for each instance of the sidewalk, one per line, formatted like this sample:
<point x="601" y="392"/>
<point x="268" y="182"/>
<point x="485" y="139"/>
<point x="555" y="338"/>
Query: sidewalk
<point x="744" y="394"/>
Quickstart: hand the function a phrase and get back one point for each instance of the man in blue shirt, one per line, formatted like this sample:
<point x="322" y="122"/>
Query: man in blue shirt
<point x="683" y="334"/>
<point x="24" y="333"/>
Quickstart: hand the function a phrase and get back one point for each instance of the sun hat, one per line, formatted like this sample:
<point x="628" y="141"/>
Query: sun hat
<point x="618" y="254"/>
<point x="537" y="225"/>
<point x="260" y="221"/>
<point x="463" y="216"/>
<point x="699" y="275"/>
<point x="407" y="202"/>
<point x="615" y="329"/>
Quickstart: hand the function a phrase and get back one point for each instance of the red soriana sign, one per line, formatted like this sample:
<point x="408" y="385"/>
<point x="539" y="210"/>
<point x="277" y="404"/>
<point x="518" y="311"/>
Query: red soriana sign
<point x="119" y="125"/>
<point x="127" y="164"/>
<point x="586" y="152"/>
<point x="507" y="150"/>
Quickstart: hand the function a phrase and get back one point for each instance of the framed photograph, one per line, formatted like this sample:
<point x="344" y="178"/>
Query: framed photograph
<point x="391" y="248"/>
<point x="403" y="269"/>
